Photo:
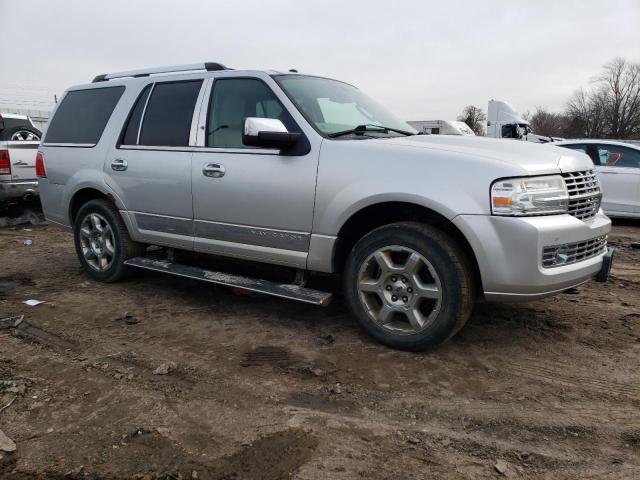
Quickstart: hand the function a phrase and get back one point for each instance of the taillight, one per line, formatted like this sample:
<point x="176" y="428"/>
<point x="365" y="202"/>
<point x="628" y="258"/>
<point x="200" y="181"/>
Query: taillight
<point x="5" y="163"/>
<point x="40" y="171"/>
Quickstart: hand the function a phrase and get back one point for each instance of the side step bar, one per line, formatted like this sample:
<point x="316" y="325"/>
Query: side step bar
<point x="290" y="291"/>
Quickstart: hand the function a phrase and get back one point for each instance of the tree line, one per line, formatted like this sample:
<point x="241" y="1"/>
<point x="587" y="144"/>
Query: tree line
<point x="608" y="108"/>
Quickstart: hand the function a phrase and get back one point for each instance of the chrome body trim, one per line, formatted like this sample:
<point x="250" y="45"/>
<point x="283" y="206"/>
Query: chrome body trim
<point x="144" y="111"/>
<point x="164" y="224"/>
<point x="203" y="112"/>
<point x="243" y="234"/>
<point x="70" y="145"/>
<point x="195" y="118"/>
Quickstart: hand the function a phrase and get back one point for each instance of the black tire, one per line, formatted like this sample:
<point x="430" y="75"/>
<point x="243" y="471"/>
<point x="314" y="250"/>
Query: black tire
<point x="9" y="133"/>
<point x="124" y="248"/>
<point x="451" y="266"/>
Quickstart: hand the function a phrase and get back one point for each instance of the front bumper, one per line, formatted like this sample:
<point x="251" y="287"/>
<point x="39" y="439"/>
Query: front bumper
<point x="509" y="253"/>
<point x="12" y="190"/>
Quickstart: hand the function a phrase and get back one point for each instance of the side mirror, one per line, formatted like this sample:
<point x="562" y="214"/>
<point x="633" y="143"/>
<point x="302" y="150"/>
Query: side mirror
<point x="268" y="133"/>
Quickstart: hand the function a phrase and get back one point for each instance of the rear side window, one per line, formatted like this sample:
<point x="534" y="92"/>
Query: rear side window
<point x="167" y="118"/>
<point x="82" y="115"/>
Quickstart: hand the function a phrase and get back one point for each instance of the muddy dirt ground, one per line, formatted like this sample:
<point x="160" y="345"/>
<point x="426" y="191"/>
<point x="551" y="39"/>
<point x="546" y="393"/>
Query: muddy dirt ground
<point x="265" y="388"/>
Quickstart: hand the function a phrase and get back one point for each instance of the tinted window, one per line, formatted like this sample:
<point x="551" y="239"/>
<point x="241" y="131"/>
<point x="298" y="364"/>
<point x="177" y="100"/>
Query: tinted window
<point x="82" y="115"/>
<point x="615" y="156"/>
<point x="167" y="120"/>
<point x="589" y="149"/>
<point x="235" y="99"/>
<point x="130" y="135"/>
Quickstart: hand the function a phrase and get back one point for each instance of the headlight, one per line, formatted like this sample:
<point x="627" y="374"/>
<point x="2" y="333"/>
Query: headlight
<point x="529" y="196"/>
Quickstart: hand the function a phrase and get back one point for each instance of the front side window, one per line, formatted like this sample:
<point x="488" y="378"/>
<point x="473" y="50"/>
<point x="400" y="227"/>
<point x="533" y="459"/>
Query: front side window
<point x="167" y="118"/>
<point x="578" y="146"/>
<point x="83" y="115"/>
<point x="335" y="107"/>
<point x="233" y="100"/>
<point x="585" y="148"/>
<point x="616" y="156"/>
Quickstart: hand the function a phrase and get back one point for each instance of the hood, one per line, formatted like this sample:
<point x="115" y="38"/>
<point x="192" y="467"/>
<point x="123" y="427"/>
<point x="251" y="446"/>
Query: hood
<point x="532" y="157"/>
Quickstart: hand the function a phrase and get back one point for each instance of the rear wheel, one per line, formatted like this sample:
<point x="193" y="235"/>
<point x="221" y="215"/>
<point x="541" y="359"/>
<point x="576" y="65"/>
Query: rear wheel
<point x="409" y="285"/>
<point x="24" y="134"/>
<point x="102" y="241"/>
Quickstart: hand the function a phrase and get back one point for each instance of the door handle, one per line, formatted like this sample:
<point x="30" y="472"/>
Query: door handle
<point x="119" y="165"/>
<point x="609" y="173"/>
<point x="214" y="170"/>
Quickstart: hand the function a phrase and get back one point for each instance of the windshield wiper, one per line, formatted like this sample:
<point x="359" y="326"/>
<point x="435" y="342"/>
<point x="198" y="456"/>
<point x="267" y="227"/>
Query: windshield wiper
<point x="368" y="127"/>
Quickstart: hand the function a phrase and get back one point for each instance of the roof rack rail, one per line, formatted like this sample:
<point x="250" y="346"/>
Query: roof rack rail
<point x="145" y="72"/>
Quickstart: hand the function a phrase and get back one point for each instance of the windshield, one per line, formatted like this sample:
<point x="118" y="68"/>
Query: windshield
<point x="335" y="107"/>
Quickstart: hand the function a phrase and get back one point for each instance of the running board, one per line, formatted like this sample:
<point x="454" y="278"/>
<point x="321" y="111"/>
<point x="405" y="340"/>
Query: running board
<point x="290" y="291"/>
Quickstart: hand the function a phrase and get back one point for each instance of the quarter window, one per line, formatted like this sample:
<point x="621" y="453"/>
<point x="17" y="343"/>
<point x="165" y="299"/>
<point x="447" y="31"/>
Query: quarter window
<point x="167" y="118"/>
<point x="83" y="115"/>
<point x="233" y="100"/>
<point x="130" y="135"/>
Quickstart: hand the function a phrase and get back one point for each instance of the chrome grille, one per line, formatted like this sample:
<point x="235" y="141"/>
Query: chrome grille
<point x="584" y="193"/>
<point x="560" y="255"/>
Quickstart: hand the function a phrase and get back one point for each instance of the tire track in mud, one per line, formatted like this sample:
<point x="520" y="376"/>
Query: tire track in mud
<point x="555" y="375"/>
<point x="434" y="429"/>
<point x="583" y="414"/>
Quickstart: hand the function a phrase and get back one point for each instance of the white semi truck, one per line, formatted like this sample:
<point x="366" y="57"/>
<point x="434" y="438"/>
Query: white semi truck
<point x="442" y="127"/>
<point x="503" y="121"/>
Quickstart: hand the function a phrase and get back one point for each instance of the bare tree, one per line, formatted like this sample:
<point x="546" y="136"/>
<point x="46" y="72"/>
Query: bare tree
<point x="544" y="122"/>
<point x="611" y="108"/>
<point x="474" y="117"/>
<point x="620" y="86"/>
<point x="586" y="114"/>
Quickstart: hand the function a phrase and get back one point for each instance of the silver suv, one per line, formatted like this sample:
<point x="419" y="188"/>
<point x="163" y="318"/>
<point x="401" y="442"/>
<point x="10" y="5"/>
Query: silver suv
<point x="311" y="174"/>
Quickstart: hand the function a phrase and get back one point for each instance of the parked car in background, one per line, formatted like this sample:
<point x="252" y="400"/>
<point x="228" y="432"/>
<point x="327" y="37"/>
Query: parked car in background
<point x="311" y="174"/>
<point x="19" y="140"/>
<point x="618" y="168"/>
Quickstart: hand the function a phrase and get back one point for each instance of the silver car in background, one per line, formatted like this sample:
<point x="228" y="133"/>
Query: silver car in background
<point x="309" y="173"/>
<point x="618" y="168"/>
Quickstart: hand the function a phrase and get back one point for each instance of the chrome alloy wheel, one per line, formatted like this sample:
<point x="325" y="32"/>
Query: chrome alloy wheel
<point x="399" y="289"/>
<point x="97" y="241"/>
<point x="24" y="136"/>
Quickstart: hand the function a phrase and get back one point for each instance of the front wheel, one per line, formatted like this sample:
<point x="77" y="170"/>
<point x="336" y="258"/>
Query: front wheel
<point x="409" y="285"/>
<point x="103" y="242"/>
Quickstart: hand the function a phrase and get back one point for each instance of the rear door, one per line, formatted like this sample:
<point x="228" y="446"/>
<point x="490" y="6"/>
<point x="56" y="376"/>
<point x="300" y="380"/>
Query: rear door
<point x="151" y="167"/>
<point x="619" y="173"/>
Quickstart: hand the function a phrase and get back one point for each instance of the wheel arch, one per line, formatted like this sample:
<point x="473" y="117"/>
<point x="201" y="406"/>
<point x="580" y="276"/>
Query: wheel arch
<point x="379" y="214"/>
<point x="85" y="194"/>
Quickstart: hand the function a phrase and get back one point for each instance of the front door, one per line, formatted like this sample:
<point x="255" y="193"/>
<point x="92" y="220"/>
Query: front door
<point x="249" y="202"/>
<point x="619" y="174"/>
<point x="151" y="167"/>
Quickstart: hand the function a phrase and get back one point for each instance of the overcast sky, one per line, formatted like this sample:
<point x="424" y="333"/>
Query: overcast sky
<point x="422" y="59"/>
